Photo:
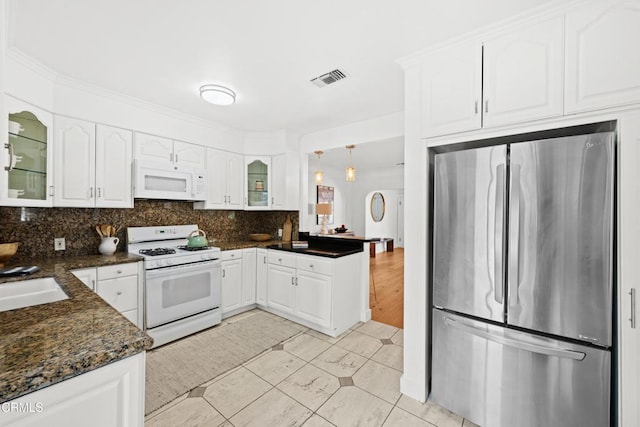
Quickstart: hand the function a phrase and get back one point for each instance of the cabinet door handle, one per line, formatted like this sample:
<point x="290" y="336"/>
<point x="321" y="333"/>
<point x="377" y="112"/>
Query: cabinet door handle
<point x="9" y="148"/>
<point x="223" y="272"/>
<point x="632" y="319"/>
<point x="51" y="191"/>
<point x="296" y="281"/>
<point x="292" y="280"/>
<point x="91" y="192"/>
<point x="475" y="107"/>
<point x="229" y="200"/>
<point x="99" y="192"/>
<point x="176" y="158"/>
<point x="486" y="106"/>
<point x="264" y="260"/>
<point x="272" y="202"/>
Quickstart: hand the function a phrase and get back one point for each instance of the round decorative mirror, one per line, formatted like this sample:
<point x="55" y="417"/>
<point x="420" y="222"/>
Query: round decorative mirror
<point x="377" y="207"/>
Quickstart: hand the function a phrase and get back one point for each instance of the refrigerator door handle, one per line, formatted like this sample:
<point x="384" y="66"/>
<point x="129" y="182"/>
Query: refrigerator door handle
<point x="498" y="242"/>
<point x="514" y="235"/>
<point x="521" y="345"/>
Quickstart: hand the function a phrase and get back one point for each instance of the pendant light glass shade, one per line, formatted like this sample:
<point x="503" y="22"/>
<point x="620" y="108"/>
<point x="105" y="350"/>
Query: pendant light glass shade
<point x="318" y="173"/>
<point x="218" y="95"/>
<point x="350" y="171"/>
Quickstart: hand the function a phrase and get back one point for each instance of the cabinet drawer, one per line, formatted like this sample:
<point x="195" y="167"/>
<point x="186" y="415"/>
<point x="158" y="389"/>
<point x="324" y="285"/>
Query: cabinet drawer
<point x="118" y="270"/>
<point x="229" y="255"/>
<point x="282" y="258"/>
<point x="120" y="293"/>
<point x="314" y="264"/>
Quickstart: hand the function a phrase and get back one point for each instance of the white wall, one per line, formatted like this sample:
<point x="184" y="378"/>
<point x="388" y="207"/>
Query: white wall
<point x="388" y="227"/>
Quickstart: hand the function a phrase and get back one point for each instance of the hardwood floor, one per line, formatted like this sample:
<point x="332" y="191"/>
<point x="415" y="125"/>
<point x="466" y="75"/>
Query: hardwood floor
<point x="387" y="272"/>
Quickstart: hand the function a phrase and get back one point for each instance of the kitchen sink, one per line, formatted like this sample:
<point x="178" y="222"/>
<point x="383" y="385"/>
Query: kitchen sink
<point x="26" y="293"/>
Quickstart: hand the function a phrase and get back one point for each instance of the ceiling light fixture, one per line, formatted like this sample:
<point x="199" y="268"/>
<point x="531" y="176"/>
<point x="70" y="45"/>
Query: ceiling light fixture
<point x="318" y="174"/>
<point x="351" y="171"/>
<point x="218" y="95"/>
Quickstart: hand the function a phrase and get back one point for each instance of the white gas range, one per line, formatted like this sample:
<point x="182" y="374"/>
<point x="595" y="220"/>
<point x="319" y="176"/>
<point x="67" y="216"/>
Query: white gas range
<point x="182" y="284"/>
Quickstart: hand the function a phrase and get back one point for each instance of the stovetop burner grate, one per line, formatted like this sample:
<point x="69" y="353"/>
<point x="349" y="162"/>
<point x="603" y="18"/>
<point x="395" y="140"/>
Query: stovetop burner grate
<point x="157" y="251"/>
<point x="193" y="249"/>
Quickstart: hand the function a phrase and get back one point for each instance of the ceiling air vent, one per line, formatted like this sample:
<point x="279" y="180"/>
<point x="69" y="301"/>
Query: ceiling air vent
<point x="328" y="78"/>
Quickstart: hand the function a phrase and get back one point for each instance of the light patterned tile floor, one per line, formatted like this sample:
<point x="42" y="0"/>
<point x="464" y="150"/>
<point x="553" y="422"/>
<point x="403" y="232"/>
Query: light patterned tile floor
<point x="312" y="380"/>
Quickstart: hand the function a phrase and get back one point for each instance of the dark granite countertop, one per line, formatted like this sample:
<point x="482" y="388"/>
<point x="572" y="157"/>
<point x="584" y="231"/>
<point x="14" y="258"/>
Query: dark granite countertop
<point x="324" y="251"/>
<point x="242" y="244"/>
<point x="45" y="344"/>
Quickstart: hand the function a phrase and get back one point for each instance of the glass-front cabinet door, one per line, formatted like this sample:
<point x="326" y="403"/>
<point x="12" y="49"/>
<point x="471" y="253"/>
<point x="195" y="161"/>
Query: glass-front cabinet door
<point x="258" y="183"/>
<point x="26" y="156"/>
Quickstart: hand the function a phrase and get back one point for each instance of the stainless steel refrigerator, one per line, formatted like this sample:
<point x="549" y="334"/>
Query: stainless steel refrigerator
<point x="523" y="282"/>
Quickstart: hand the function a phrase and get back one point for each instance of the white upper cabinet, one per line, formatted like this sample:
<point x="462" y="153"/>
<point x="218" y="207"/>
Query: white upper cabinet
<point x="452" y="89"/>
<point x="603" y="60"/>
<point x="257" y="183"/>
<point x="114" y="150"/>
<point x="186" y="154"/>
<point x="279" y="182"/>
<point x="523" y="74"/>
<point x="26" y="156"/>
<point x="92" y="165"/>
<point x="225" y="178"/>
<point x="74" y="163"/>
<point x="159" y="149"/>
<point x="507" y="78"/>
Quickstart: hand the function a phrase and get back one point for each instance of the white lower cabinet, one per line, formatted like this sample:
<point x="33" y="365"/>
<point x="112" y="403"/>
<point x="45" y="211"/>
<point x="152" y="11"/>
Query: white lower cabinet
<point x="248" y="276"/>
<point x="318" y="292"/>
<point x="313" y="297"/>
<point x="119" y="285"/>
<point x="262" y="271"/>
<point x="110" y="396"/>
<point x="231" y="280"/>
<point x="88" y="276"/>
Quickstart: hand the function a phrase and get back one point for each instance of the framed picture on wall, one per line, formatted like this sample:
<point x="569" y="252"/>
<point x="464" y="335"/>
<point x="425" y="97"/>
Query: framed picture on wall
<point x="325" y="195"/>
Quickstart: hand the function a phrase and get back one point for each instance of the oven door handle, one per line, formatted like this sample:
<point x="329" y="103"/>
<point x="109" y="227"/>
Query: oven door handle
<point x="184" y="268"/>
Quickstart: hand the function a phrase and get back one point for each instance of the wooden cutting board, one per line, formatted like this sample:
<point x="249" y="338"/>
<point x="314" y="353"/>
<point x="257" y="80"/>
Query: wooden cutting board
<point x="286" y="229"/>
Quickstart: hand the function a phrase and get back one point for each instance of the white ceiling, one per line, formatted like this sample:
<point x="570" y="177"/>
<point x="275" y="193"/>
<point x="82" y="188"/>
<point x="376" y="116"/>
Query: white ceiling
<point x="372" y="156"/>
<point x="267" y="51"/>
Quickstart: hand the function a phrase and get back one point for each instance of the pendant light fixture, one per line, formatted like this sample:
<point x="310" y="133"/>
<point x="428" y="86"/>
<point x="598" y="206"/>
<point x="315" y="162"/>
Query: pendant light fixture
<point x="318" y="174"/>
<point x="217" y="95"/>
<point x="350" y="171"/>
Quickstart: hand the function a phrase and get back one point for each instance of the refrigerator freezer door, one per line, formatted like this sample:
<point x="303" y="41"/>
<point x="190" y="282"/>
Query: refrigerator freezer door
<point x="469" y="221"/>
<point x="499" y="377"/>
<point x="561" y="237"/>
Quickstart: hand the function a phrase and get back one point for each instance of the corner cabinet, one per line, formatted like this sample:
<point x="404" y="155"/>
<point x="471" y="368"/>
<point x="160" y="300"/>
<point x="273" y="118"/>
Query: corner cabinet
<point x="471" y="84"/>
<point x="92" y="165"/>
<point x="26" y="156"/>
<point x="257" y="183"/>
<point x="120" y="285"/>
<point x="603" y="61"/>
<point x="225" y="178"/>
<point x="262" y="272"/>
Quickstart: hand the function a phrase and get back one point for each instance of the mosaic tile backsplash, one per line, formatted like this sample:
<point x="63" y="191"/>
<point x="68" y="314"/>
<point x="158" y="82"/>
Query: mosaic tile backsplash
<point x="35" y="228"/>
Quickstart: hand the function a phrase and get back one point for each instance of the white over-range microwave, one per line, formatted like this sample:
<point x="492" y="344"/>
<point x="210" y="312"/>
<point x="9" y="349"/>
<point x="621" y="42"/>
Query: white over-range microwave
<point x="158" y="180"/>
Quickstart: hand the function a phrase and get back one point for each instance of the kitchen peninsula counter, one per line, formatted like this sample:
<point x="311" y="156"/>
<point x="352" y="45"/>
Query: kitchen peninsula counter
<point x="45" y="344"/>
